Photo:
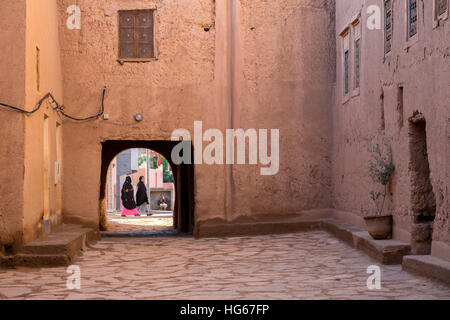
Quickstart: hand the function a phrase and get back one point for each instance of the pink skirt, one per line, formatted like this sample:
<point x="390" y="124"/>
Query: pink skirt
<point x="127" y="212"/>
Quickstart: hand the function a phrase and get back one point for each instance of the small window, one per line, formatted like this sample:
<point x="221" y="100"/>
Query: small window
<point x="412" y="18"/>
<point x="136" y="35"/>
<point x="440" y="11"/>
<point x="357" y="61"/>
<point x="357" y="54"/>
<point x="387" y="26"/>
<point x="346" y="54"/>
<point x="442" y="7"/>
<point x="346" y="60"/>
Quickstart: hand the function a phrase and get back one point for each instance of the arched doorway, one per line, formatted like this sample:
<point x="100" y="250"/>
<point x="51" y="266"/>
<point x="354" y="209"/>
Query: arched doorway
<point x="154" y="170"/>
<point x="183" y="214"/>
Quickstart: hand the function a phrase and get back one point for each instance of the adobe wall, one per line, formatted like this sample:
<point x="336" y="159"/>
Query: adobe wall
<point x="170" y="92"/>
<point x="231" y="64"/>
<point x="42" y="31"/>
<point x="284" y="78"/>
<point x="423" y="71"/>
<point x="12" y="124"/>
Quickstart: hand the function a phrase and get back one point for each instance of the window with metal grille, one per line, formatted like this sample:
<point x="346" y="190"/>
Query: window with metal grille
<point x="412" y="18"/>
<point x="357" y="61"/>
<point x="136" y="35"/>
<point x="357" y="49"/>
<point x="442" y="7"/>
<point x="346" y="73"/>
<point x="387" y="26"/>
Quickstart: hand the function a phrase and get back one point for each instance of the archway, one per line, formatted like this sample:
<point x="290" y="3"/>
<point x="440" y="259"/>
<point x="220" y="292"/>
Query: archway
<point x="184" y="210"/>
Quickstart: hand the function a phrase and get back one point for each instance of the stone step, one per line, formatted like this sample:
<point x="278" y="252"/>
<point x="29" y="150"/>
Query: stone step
<point x="41" y="260"/>
<point x="428" y="266"/>
<point x="58" y="248"/>
<point x="388" y="252"/>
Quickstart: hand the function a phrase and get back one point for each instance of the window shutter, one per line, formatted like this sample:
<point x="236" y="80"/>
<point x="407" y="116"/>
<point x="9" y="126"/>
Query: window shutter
<point x="126" y="34"/>
<point x="145" y="34"/>
<point x="136" y="34"/>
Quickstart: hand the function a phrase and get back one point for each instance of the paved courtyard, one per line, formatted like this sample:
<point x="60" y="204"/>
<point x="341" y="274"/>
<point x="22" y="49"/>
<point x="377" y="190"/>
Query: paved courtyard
<point x="310" y="265"/>
<point x="156" y="222"/>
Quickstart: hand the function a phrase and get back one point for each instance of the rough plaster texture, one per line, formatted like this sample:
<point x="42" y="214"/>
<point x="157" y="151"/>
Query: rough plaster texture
<point x="422" y="68"/>
<point x="232" y="76"/>
<point x="282" y="80"/>
<point x="170" y="92"/>
<point x="12" y="125"/>
<point x="26" y="25"/>
<point x="42" y="32"/>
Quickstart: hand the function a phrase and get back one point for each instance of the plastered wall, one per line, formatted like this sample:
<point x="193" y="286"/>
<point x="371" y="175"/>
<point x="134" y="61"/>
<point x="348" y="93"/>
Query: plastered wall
<point x="422" y="69"/>
<point x="230" y="64"/>
<point x="12" y="124"/>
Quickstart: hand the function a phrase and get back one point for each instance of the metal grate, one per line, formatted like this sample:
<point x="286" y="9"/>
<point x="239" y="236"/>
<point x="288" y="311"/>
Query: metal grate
<point x="357" y="61"/>
<point x="136" y="34"/>
<point x="388" y="26"/>
<point x="442" y="7"/>
<point x="412" y="18"/>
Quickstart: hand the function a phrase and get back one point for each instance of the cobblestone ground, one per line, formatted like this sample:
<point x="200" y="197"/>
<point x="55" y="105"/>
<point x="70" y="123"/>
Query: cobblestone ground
<point x="295" y="266"/>
<point x="116" y="223"/>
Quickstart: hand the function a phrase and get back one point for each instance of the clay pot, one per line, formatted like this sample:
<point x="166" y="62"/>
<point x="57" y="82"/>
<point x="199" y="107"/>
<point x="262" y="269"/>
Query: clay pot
<point x="379" y="227"/>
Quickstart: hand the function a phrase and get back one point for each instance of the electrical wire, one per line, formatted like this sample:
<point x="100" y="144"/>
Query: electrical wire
<point x="58" y="107"/>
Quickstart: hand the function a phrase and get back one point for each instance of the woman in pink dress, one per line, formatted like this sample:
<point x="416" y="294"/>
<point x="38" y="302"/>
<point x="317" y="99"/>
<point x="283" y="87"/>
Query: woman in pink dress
<point x="128" y="203"/>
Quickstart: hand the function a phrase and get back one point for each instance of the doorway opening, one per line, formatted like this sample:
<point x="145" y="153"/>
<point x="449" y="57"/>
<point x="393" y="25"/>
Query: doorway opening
<point x="423" y="201"/>
<point x="153" y="195"/>
<point x="170" y="188"/>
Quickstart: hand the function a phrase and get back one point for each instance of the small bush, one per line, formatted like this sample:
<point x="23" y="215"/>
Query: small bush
<point x="381" y="169"/>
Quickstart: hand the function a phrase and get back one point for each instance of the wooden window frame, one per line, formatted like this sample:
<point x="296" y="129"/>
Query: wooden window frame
<point x="136" y="41"/>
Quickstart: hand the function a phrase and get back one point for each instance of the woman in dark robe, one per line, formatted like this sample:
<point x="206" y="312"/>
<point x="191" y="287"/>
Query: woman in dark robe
<point x="128" y="203"/>
<point x="141" y="197"/>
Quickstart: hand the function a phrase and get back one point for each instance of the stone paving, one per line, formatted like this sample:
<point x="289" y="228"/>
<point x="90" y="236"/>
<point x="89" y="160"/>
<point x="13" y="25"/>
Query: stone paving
<point x="310" y="265"/>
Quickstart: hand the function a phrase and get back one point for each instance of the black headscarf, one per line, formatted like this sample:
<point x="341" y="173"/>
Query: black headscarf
<point x="141" y="195"/>
<point x="128" y="195"/>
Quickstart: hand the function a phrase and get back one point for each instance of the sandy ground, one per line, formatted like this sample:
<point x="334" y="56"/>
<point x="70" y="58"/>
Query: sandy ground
<point x="156" y="222"/>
